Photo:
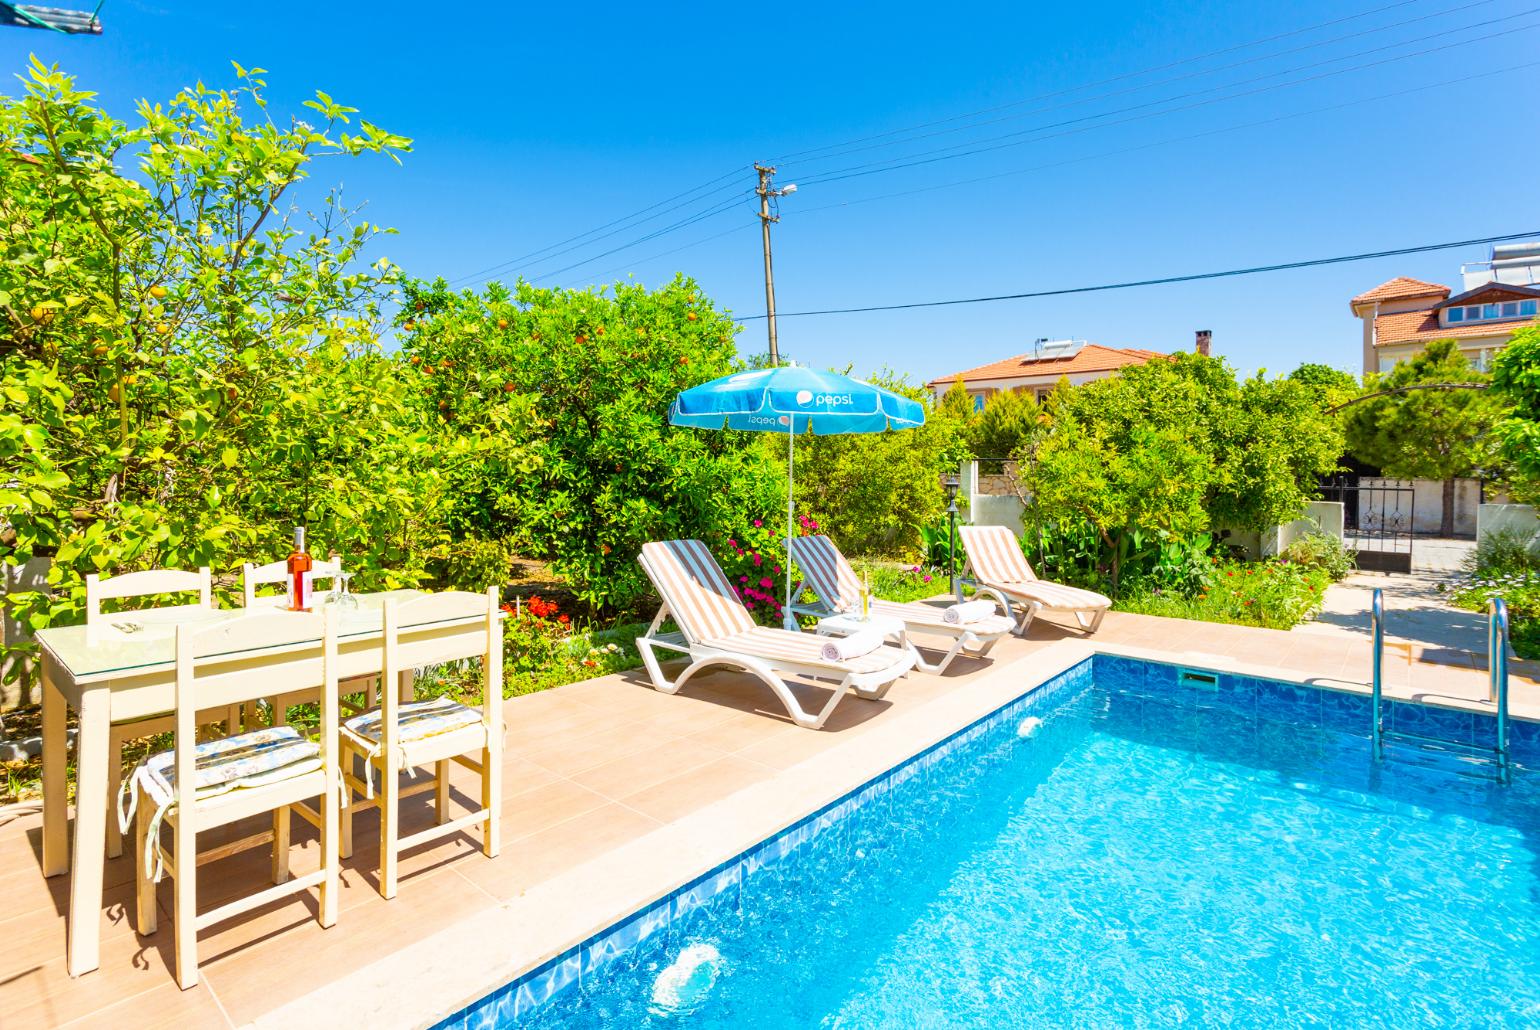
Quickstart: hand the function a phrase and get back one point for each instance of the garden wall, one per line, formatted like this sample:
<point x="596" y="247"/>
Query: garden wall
<point x="1519" y="518"/>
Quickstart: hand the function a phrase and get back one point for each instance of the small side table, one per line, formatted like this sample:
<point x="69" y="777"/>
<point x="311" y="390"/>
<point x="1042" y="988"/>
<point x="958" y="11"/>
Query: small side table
<point x="849" y="623"/>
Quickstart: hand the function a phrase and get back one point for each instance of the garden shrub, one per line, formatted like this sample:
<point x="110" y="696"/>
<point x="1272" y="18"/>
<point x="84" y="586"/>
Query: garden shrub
<point x="1324" y="551"/>
<point x="876" y="491"/>
<point x="584" y="380"/>
<point x="1175" y="447"/>
<point x="1272" y="594"/>
<point x="190" y="363"/>
<point x="1506" y="564"/>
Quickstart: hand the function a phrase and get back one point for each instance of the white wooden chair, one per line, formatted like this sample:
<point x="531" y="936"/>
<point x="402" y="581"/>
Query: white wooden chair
<point x="253" y="577"/>
<point x="404" y="736"/>
<point x="1001" y="571"/>
<point x="197" y="787"/>
<point x="826" y="571"/>
<point x="714" y="629"/>
<point x="149" y="583"/>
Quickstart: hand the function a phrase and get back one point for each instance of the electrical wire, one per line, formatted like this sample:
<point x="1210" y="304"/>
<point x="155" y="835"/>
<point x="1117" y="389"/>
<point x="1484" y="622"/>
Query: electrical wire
<point x="1107" y="81"/>
<point x="653" y="257"/>
<point x="719" y="209"/>
<point x="1188" y="75"/>
<point x="948" y="154"/>
<point x="543" y="252"/>
<point x="1164" y="281"/>
<point x="973" y="180"/>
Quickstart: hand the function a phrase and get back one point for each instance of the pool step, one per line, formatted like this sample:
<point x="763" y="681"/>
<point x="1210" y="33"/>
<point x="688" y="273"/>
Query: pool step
<point x="1499" y="753"/>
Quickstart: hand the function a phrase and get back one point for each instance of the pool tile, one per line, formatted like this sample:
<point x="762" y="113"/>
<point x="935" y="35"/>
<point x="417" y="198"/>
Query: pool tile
<point x="1288" y="702"/>
<point x="1428" y="721"/>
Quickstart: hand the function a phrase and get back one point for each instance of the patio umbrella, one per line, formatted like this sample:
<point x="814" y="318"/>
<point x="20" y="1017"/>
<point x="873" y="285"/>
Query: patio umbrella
<point x="791" y="399"/>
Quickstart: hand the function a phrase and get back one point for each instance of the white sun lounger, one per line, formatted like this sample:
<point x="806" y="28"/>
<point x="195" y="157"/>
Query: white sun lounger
<point x="714" y="629"/>
<point x="1000" y="570"/>
<point x="829" y="575"/>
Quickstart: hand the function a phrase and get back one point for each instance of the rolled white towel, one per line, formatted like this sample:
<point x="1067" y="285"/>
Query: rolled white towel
<point x="842" y="649"/>
<point x="968" y="611"/>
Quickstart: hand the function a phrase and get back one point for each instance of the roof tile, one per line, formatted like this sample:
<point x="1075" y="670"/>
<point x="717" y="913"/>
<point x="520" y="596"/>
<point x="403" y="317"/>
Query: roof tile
<point x="1093" y="357"/>
<point x="1401" y="288"/>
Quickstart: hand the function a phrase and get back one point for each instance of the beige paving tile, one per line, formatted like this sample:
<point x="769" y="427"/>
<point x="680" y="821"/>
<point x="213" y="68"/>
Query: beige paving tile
<point x="621" y="777"/>
<point x="687" y="792"/>
<point x="532" y="859"/>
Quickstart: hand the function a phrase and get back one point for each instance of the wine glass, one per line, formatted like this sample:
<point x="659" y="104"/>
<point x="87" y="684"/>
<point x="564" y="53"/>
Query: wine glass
<point x="341" y="597"/>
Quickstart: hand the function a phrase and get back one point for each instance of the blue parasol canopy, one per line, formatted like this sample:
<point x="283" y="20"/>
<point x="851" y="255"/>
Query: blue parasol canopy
<point x="791" y="399"/>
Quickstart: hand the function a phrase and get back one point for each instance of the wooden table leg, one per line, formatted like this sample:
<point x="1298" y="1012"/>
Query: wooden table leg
<point x="56" y="856"/>
<point x="91" y="804"/>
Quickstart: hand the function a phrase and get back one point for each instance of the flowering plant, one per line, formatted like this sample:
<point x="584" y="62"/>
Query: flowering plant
<point x="754" y="560"/>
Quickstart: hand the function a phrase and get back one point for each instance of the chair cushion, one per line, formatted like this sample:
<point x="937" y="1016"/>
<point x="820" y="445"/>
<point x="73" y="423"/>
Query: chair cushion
<point x="230" y="763"/>
<point x="417" y="720"/>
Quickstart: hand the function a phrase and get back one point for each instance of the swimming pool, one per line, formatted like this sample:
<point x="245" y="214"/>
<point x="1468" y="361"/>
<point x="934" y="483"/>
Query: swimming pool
<point x="1121" y="846"/>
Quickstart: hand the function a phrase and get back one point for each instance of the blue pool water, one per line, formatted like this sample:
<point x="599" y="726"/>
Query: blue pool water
<point x="1117" y="849"/>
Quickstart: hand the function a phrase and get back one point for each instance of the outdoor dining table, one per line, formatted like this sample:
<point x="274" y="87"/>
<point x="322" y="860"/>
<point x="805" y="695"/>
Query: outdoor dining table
<point x="123" y="668"/>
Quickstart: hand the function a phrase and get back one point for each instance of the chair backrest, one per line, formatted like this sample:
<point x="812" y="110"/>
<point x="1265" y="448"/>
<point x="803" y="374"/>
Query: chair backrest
<point x="411" y="628"/>
<point x="825" y="569"/>
<point x="145" y="584"/>
<point x="995" y="555"/>
<point x="694" y="588"/>
<point x="214" y="670"/>
<point x="254" y="576"/>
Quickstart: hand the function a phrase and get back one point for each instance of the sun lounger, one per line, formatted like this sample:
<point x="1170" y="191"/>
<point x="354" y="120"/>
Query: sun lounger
<point x="715" y="630"/>
<point x="826" y="572"/>
<point x="1000" y="570"/>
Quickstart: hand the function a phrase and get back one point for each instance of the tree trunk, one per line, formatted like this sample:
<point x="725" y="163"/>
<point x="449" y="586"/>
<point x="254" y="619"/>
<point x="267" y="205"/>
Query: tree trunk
<point x="1446" y="521"/>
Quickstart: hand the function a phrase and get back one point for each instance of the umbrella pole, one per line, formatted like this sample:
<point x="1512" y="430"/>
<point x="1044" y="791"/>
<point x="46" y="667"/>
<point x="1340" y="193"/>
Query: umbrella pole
<point x="788" y="618"/>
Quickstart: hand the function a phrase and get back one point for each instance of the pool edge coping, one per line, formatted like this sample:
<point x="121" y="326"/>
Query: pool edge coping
<point x="436" y="977"/>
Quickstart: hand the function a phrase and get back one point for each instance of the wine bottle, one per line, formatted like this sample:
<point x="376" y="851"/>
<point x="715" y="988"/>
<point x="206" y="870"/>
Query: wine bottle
<point x="299" y="573"/>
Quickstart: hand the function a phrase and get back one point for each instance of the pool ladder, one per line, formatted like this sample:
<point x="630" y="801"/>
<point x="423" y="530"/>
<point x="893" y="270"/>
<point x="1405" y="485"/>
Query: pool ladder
<point x="1497" y="689"/>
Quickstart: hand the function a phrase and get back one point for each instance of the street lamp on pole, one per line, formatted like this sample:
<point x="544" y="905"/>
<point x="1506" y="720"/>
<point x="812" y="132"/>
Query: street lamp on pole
<point x="952" y="481"/>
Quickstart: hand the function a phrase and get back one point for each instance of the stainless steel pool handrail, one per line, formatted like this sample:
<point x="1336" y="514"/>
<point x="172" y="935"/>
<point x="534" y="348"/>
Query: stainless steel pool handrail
<point x="1377" y="623"/>
<point x="1497" y="672"/>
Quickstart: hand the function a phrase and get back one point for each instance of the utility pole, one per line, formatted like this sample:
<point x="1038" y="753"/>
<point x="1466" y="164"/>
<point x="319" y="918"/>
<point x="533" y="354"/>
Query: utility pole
<point x="766" y="193"/>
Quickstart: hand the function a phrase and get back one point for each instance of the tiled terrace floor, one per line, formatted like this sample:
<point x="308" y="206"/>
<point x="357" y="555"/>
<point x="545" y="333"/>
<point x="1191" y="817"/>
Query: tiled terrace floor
<point x="614" y="795"/>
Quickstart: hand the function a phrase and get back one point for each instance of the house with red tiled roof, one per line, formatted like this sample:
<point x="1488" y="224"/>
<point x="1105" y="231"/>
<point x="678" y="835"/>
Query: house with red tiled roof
<point x="1041" y="369"/>
<point x="1499" y="297"/>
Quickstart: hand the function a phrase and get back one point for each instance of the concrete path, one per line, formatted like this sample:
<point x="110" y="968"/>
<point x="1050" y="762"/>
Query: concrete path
<point x="1416" y="607"/>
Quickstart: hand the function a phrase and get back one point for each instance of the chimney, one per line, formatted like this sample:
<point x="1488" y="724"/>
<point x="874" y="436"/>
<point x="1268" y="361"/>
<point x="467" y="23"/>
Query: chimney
<point x="1205" y="342"/>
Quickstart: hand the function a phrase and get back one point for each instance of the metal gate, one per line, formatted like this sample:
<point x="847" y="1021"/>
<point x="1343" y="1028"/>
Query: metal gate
<point x="1376" y="520"/>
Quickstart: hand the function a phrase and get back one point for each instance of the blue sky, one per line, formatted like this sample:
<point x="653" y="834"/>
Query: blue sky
<point x="534" y="123"/>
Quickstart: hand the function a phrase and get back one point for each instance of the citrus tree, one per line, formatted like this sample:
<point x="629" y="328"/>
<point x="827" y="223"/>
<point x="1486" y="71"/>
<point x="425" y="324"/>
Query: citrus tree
<point x="585" y="379"/>
<point x="188" y="344"/>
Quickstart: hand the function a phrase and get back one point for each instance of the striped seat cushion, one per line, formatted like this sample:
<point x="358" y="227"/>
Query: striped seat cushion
<point x="779" y="645"/>
<point x="694" y="589"/>
<point x="251" y="759"/>
<point x="997" y="561"/>
<point x="917" y="613"/>
<point x="826" y="571"/>
<point x="1054" y="595"/>
<point x="416" y="720"/>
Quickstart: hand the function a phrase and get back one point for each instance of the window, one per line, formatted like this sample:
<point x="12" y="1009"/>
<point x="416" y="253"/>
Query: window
<point x="1456" y="314"/>
<point x="1511" y="309"/>
<point x="978" y="402"/>
<point x="1529" y="308"/>
<point x="1043" y="392"/>
<point x="1489" y="311"/>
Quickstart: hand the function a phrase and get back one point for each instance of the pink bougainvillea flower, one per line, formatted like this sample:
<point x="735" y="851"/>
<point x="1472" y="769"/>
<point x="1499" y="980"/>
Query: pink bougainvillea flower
<point x="767" y="582"/>
<point x="758" y="560"/>
<point x="757" y="523"/>
<point x="743" y="579"/>
<point x="732" y="543"/>
<point x="927" y="579"/>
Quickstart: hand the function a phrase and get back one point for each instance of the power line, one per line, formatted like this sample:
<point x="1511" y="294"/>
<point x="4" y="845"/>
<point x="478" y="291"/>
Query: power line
<point x="722" y="208"/>
<point x="1165" y="281"/>
<point x="653" y="257"/>
<point x="1103" y="82"/>
<point x="514" y="262"/>
<point x="973" y="180"/>
<point x="1179" y="78"/>
<point x="947" y="154"/>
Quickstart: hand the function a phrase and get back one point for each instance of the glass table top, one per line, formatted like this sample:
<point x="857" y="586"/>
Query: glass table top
<point x="137" y="640"/>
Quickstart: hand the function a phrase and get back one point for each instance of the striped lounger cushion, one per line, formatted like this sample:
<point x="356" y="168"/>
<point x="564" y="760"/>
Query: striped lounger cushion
<point x="998" y="562"/>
